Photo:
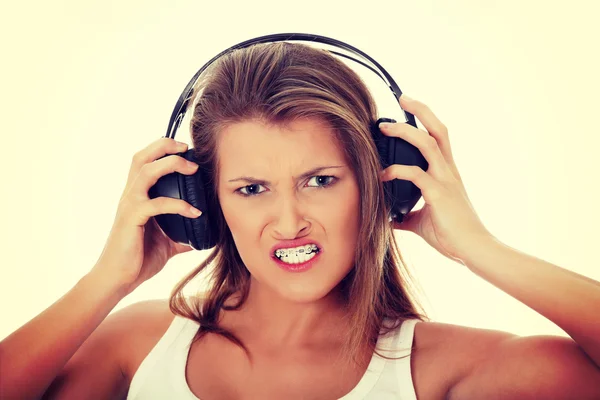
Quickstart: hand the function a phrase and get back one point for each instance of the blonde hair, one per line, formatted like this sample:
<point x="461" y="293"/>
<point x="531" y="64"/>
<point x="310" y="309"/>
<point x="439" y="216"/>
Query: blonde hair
<point x="278" y="83"/>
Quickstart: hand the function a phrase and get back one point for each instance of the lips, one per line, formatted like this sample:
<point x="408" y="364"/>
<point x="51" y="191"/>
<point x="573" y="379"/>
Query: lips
<point x="288" y="244"/>
<point x="298" y="267"/>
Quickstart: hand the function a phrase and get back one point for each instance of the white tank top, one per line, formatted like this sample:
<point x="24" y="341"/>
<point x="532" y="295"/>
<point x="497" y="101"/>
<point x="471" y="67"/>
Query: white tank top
<point x="161" y="375"/>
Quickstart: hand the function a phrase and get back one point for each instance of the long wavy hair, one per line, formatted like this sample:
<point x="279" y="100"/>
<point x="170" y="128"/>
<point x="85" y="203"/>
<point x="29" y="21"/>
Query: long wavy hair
<point x="278" y="83"/>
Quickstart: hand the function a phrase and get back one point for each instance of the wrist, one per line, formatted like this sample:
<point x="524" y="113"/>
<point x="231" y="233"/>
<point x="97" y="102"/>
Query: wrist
<point x="106" y="284"/>
<point x="486" y="248"/>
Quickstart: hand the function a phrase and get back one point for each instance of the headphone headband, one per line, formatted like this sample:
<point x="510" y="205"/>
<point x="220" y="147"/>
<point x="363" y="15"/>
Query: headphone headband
<point x="182" y="103"/>
<point x="198" y="189"/>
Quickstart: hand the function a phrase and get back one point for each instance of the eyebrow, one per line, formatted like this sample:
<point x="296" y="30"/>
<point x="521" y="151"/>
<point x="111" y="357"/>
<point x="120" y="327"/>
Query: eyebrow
<point x="304" y="175"/>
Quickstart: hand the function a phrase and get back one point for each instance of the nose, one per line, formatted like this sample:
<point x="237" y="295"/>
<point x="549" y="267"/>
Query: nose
<point x="289" y="218"/>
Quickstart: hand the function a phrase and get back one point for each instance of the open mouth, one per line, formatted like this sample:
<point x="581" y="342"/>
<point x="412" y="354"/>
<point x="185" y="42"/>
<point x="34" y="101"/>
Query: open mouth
<point x="298" y="261"/>
<point x="287" y="255"/>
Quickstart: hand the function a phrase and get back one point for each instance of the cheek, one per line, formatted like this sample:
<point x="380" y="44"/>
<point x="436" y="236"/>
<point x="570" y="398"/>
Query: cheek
<point x="234" y="219"/>
<point x="340" y="217"/>
<point x="342" y="220"/>
<point x="347" y="205"/>
<point x="245" y="228"/>
<point x="235" y="216"/>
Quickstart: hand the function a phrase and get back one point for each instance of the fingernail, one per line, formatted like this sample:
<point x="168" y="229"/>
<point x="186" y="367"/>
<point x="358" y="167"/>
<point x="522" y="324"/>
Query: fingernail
<point x="195" y="211"/>
<point x="405" y="97"/>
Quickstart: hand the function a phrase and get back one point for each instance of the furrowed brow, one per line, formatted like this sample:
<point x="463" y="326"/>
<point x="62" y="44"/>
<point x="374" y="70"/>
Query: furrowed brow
<point x="307" y="174"/>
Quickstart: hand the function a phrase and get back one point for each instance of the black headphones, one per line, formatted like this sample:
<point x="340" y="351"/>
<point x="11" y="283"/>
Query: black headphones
<point x="200" y="233"/>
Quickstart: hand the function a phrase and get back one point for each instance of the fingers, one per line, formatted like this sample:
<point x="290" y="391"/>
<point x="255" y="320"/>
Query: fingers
<point x="146" y="169"/>
<point x="432" y="124"/>
<point x="434" y="127"/>
<point x="431" y="188"/>
<point x="152" y="152"/>
<point x="160" y="205"/>
<point x="426" y="144"/>
<point x="150" y="173"/>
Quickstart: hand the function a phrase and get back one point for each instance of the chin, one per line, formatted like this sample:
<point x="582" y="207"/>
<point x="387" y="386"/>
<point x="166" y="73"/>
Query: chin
<point x="304" y="293"/>
<point x="305" y="287"/>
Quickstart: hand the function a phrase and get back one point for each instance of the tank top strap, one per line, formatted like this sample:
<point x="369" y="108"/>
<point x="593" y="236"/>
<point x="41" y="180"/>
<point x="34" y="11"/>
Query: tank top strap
<point x="173" y="346"/>
<point x="403" y="368"/>
<point x="407" y="332"/>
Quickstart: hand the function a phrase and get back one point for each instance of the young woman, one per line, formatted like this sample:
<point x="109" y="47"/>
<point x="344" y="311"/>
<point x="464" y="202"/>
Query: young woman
<point x="309" y="297"/>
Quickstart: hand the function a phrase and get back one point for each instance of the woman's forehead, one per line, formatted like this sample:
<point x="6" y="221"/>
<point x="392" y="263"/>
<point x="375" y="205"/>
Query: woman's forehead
<point x="300" y="142"/>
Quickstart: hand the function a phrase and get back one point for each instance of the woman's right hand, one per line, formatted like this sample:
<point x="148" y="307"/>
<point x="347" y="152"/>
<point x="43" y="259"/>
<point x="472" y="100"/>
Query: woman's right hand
<point x="136" y="248"/>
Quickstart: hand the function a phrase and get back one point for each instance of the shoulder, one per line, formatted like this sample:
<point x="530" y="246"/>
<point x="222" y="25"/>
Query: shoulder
<point x="444" y="353"/>
<point x="137" y="329"/>
<point x="145" y="317"/>
<point x="492" y="364"/>
<point x="456" y="340"/>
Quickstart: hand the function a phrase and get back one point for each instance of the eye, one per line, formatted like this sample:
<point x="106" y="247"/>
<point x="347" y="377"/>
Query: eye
<point x="240" y="190"/>
<point x="323" y="178"/>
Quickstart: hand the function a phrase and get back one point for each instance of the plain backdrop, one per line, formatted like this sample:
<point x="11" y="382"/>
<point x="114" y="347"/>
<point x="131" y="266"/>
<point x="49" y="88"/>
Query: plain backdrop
<point x="85" y="85"/>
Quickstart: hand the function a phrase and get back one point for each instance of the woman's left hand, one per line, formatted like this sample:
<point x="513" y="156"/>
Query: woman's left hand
<point x="447" y="221"/>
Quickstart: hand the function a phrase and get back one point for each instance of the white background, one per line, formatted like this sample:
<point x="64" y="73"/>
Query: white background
<point x="87" y="84"/>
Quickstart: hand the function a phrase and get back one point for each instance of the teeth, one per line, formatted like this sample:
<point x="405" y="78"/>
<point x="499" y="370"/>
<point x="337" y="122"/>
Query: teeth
<point x="290" y="254"/>
<point x="297" y="259"/>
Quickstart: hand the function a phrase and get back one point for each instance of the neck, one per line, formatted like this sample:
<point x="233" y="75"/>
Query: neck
<point x="269" y="319"/>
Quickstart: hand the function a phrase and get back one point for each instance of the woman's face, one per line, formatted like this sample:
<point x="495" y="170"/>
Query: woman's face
<point x="286" y="206"/>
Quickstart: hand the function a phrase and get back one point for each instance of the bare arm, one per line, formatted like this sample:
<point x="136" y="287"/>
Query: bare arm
<point x="34" y="355"/>
<point x="538" y="366"/>
<point x="43" y="357"/>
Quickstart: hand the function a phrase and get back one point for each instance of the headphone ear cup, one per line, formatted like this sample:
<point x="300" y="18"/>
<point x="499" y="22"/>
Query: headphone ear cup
<point x="400" y="195"/>
<point x="201" y="232"/>
<point x="195" y="232"/>
<point x="201" y="235"/>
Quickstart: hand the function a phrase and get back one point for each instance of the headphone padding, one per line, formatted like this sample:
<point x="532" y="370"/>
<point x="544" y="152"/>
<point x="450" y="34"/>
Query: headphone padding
<point x="195" y="226"/>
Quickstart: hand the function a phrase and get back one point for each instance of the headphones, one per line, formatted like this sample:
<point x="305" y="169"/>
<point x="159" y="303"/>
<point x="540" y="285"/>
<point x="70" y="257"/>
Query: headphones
<point x="200" y="233"/>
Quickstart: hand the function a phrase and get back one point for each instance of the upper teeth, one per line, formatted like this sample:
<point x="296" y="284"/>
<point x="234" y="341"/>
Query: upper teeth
<point x="300" y="250"/>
